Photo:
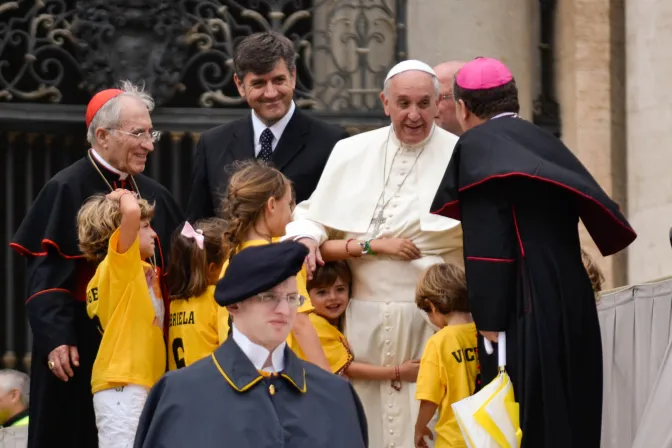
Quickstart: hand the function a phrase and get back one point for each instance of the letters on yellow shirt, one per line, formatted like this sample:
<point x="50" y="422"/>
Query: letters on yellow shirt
<point x="448" y="371"/>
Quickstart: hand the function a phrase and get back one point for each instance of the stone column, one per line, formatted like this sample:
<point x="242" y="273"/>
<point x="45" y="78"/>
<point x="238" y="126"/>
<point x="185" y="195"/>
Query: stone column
<point x="649" y="136"/>
<point x="442" y="30"/>
<point x="590" y="71"/>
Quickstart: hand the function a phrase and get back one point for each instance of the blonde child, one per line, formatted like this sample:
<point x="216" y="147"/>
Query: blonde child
<point x="449" y="365"/>
<point x="124" y="300"/>
<point x="196" y="260"/>
<point x="329" y="291"/>
<point x="257" y="207"/>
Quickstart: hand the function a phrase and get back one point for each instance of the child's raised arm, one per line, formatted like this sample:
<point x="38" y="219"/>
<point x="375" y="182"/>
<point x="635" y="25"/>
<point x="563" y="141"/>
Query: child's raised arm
<point x="130" y="218"/>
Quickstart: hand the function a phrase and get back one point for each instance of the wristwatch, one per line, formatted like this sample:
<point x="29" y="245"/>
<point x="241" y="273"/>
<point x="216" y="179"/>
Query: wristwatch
<point x="366" y="248"/>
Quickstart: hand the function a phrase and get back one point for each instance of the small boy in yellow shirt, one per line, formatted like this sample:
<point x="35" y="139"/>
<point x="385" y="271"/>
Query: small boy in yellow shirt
<point x="449" y="366"/>
<point x="124" y="300"/>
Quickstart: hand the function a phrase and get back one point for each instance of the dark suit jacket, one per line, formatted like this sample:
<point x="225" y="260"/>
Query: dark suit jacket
<point x="301" y="154"/>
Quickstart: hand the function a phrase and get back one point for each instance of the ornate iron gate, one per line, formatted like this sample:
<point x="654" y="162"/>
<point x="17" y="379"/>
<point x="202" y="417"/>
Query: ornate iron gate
<point x="54" y="54"/>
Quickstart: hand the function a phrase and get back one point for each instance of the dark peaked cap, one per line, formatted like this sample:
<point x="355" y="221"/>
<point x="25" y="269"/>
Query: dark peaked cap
<point x="257" y="269"/>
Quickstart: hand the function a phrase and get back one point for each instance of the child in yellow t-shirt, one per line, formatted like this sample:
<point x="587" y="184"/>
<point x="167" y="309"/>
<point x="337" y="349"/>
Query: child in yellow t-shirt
<point x="449" y="366"/>
<point x="196" y="259"/>
<point x="258" y="206"/>
<point x="125" y="301"/>
<point x="329" y="291"/>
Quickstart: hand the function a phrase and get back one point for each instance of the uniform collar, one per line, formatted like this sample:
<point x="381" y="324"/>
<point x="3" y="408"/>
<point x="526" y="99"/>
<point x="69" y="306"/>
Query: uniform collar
<point x="105" y="164"/>
<point x="241" y="374"/>
<point x="258" y="354"/>
<point x="505" y="114"/>
<point x="14" y="419"/>
<point x="277" y="129"/>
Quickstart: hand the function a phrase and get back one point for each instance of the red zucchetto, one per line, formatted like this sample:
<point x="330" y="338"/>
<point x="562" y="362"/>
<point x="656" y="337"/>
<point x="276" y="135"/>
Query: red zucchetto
<point x="98" y="101"/>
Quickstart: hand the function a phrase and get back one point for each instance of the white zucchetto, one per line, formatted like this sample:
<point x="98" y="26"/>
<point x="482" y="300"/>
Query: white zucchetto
<point x="408" y="65"/>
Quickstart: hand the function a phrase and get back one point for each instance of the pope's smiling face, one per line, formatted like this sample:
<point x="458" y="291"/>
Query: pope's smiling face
<point x="411" y="101"/>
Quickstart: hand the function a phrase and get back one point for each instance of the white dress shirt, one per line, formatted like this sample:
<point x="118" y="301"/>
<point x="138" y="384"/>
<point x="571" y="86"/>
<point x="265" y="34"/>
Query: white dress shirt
<point x="258" y="354"/>
<point x="277" y="129"/>
<point x="107" y="166"/>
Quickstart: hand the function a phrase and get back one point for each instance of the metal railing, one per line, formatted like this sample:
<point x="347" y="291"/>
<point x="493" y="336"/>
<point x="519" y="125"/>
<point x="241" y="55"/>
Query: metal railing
<point x="56" y="53"/>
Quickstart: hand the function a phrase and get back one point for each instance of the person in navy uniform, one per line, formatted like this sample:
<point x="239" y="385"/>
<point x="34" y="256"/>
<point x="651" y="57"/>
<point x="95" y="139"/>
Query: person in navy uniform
<point x="253" y="391"/>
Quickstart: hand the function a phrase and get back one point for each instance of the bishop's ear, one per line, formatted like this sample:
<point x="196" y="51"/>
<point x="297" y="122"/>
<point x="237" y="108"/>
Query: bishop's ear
<point x="462" y="113"/>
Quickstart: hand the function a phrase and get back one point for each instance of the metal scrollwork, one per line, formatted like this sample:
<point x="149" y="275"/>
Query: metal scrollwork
<point x="35" y="49"/>
<point x="345" y="47"/>
<point x="182" y="50"/>
<point x="354" y="48"/>
<point x="139" y="40"/>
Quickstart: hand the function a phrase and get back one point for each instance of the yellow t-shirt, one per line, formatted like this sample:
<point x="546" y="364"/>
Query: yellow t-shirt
<point x="133" y="350"/>
<point x="333" y="343"/>
<point x="307" y="307"/>
<point x="448" y="371"/>
<point x="192" y="332"/>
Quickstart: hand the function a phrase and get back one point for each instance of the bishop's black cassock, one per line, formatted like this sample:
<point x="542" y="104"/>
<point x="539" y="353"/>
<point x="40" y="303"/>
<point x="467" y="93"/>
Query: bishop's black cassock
<point x="223" y="401"/>
<point x="57" y="274"/>
<point x="520" y="193"/>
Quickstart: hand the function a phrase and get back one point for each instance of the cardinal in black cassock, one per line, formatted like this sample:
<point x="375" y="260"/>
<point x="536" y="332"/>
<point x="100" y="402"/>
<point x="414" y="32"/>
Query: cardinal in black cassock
<point x="254" y="391"/>
<point x="520" y="193"/>
<point x="61" y="412"/>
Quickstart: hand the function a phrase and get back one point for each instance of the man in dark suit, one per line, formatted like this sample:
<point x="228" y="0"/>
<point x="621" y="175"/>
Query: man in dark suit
<point x="275" y="131"/>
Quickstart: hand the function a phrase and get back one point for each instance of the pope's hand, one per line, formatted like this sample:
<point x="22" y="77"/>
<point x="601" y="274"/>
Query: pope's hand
<point x="314" y="256"/>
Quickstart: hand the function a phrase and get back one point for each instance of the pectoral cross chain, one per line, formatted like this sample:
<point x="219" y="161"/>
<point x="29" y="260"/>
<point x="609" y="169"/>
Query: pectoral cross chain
<point x="378" y="221"/>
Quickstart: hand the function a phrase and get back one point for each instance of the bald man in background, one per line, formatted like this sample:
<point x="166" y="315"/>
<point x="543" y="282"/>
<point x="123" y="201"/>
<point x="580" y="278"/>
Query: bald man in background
<point x="446" y="118"/>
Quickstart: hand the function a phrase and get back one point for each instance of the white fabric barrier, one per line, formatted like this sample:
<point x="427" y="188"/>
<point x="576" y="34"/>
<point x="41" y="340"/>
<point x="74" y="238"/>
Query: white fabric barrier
<point x="635" y="322"/>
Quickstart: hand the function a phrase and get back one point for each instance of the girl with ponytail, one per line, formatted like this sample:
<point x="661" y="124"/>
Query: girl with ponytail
<point x="196" y="260"/>
<point x="257" y="207"/>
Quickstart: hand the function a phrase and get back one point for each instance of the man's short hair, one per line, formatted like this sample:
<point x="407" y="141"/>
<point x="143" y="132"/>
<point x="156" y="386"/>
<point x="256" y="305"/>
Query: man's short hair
<point x="260" y="52"/>
<point x="487" y="103"/>
<point x="13" y="379"/>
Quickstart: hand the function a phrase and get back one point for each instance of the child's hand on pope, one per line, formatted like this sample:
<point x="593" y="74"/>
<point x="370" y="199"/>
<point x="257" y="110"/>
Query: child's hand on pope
<point x="396" y="247"/>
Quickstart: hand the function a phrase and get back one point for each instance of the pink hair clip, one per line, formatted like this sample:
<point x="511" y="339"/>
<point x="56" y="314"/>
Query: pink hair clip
<point x="197" y="235"/>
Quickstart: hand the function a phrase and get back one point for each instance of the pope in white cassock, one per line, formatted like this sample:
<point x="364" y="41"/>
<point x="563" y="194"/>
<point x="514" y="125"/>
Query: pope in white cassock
<point x="381" y="184"/>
